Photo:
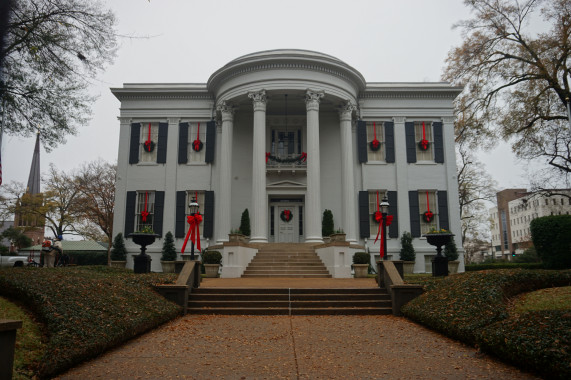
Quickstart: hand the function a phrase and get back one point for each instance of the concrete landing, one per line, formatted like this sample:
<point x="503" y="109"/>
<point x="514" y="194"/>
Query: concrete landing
<point x="312" y="283"/>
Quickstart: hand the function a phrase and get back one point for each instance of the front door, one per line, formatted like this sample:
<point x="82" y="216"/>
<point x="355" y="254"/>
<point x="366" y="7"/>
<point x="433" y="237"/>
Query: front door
<point x="287" y="231"/>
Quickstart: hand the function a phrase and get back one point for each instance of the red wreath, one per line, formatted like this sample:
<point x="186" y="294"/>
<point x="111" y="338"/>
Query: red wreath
<point x="197" y="144"/>
<point x="149" y="145"/>
<point x="428" y="216"/>
<point x="423" y="144"/>
<point x="286" y="215"/>
<point x="375" y="144"/>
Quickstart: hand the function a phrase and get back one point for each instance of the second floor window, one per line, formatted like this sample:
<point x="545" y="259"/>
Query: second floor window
<point x="375" y="141"/>
<point x="424" y="140"/>
<point x="149" y="142"/>
<point x="196" y="142"/>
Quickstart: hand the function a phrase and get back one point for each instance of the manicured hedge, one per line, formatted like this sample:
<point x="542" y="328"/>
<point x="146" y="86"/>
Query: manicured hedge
<point x="87" y="310"/>
<point x="551" y="237"/>
<point x="472" y="308"/>
<point x="88" y="258"/>
<point x="476" y="267"/>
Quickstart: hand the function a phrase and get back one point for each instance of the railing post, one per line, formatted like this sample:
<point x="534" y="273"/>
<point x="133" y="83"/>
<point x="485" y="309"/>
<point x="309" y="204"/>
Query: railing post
<point x="8" y="330"/>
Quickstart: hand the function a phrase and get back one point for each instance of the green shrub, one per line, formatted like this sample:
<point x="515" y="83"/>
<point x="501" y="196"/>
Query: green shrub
<point x="4" y="251"/>
<point x="502" y="265"/>
<point x="211" y="257"/>
<point x="552" y="240"/>
<point x="87" y="310"/>
<point x="169" y="250"/>
<point x="327" y="224"/>
<point x="451" y="251"/>
<point x="407" y="252"/>
<point x="464" y="306"/>
<point x="119" y="252"/>
<point x="245" y="223"/>
<point x="528" y="256"/>
<point x="87" y="258"/>
<point x="362" y="258"/>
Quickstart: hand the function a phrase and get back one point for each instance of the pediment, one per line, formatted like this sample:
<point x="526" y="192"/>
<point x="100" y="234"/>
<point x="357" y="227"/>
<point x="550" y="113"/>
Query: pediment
<point x="286" y="184"/>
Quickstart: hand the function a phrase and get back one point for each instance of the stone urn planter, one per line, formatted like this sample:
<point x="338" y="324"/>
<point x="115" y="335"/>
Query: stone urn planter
<point x="237" y="238"/>
<point x="408" y="267"/>
<point x="118" y="263"/>
<point x="168" y="266"/>
<point x="361" y="270"/>
<point x="337" y="237"/>
<point x="440" y="262"/>
<point x="142" y="260"/>
<point x="211" y="270"/>
<point x="453" y="266"/>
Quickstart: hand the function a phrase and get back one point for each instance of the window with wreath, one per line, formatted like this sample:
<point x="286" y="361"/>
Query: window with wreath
<point x="424" y="141"/>
<point x="428" y="211"/>
<point x="149" y="137"/>
<point x="145" y="210"/>
<point x="376" y="148"/>
<point x="196" y="142"/>
<point x="375" y="198"/>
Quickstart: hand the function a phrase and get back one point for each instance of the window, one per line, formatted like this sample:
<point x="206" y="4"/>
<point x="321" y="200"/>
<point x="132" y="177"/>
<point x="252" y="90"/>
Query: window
<point x="145" y="210"/>
<point x="149" y="142"/>
<point x="427" y="203"/>
<point x="547" y="202"/>
<point x="376" y="130"/>
<point x="373" y="225"/>
<point x="199" y="194"/>
<point x="423" y="131"/>
<point x="196" y="149"/>
<point x="286" y="143"/>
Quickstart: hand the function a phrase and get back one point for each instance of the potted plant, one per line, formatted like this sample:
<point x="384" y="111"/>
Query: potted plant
<point x="245" y="223"/>
<point x="168" y="257"/>
<point x="143" y="237"/>
<point x="338" y="235"/>
<point x="211" y="260"/>
<point x="438" y="238"/>
<point x="327" y="225"/>
<point x="407" y="253"/>
<point x="451" y="252"/>
<point x="118" y="252"/>
<point x="361" y="262"/>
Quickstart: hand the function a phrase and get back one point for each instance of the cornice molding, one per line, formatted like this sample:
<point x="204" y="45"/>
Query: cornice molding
<point x="406" y="94"/>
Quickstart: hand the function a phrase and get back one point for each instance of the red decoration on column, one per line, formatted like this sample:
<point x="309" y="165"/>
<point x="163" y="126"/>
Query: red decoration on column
<point x="197" y="144"/>
<point x="423" y="144"/>
<point x="145" y="213"/>
<point x="428" y="216"/>
<point x="375" y="144"/>
<point x="193" y="231"/>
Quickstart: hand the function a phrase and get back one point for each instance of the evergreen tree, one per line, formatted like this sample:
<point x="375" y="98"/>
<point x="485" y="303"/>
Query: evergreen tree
<point x="245" y="223"/>
<point x="407" y="252"/>
<point x="327" y="224"/>
<point x="169" y="250"/>
<point x="118" y="252"/>
<point x="450" y="250"/>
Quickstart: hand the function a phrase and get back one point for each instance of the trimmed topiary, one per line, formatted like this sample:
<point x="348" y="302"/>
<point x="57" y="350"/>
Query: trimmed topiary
<point x="211" y="257"/>
<point x="552" y="240"/>
<point x="327" y="224"/>
<point x="450" y="250"/>
<point x="119" y="252"/>
<point x="362" y="258"/>
<point x="407" y="252"/>
<point x="245" y="223"/>
<point x="169" y="250"/>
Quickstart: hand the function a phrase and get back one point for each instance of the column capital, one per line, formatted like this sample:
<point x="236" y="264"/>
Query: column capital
<point x="399" y="119"/>
<point x="227" y="110"/>
<point x="312" y="99"/>
<point x="259" y="99"/>
<point x="125" y="120"/>
<point x="346" y="110"/>
<point x="448" y="119"/>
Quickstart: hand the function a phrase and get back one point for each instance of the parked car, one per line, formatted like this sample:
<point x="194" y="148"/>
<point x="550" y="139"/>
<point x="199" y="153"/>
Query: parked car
<point x="13" y="261"/>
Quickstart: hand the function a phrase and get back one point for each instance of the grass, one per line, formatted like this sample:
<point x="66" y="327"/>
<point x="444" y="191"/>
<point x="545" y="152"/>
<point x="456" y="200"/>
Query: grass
<point x="86" y="310"/>
<point x="474" y="308"/>
<point x="544" y="299"/>
<point x="29" y="339"/>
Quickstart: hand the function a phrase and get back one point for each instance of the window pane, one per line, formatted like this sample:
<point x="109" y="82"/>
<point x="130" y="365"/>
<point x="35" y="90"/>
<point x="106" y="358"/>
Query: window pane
<point x="378" y="155"/>
<point x="425" y="204"/>
<point x="196" y="130"/>
<point x="145" y="202"/>
<point x="374" y="226"/>
<point x="144" y="155"/>
<point x="423" y="155"/>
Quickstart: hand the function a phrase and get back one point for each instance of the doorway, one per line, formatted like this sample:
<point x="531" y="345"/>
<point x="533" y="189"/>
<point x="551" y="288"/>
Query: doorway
<point x="286" y="220"/>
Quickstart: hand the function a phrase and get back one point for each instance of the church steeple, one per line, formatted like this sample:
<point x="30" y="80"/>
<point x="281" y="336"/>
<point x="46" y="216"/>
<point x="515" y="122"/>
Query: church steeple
<point x="34" y="178"/>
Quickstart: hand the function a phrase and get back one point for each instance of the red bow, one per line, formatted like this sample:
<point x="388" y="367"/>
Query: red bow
<point x="389" y="220"/>
<point x="375" y="142"/>
<point x="287" y="214"/>
<point x="148" y="142"/>
<point x="303" y="156"/>
<point x="267" y="156"/>
<point x="145" y="213"/>
<point x="193" y="231"/>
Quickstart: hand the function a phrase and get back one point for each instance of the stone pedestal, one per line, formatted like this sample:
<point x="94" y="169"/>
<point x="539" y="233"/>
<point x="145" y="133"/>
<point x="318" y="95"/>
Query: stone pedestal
<point x="8" y="330"/>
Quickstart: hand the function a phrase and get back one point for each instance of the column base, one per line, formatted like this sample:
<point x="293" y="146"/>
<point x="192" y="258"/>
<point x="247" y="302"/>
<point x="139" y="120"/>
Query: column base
<point x="314" y="239"/>
<point x="260" y="239"/>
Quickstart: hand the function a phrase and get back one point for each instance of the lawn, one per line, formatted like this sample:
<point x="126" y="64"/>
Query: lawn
<point x="501" y="312"/>
<point x="84" y="311"/>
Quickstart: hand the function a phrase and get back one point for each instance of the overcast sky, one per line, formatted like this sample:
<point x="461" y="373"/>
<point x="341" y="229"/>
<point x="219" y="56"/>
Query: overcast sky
<point x="385" y="40"/>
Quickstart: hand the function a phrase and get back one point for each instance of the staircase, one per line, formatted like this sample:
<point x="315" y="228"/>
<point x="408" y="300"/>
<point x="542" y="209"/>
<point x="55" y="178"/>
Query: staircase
<point x="286" y="260"/>
<point x="267" y="301"/>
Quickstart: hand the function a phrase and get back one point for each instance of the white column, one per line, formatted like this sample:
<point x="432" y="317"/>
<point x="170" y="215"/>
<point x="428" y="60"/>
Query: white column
<point x="259" y="197"/>
<point x="224" y="204"/>
<point x="313" y="193"/>
<point x="347" y="177"/>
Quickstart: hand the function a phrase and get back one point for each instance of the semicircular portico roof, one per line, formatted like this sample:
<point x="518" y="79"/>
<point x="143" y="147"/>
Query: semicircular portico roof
<point x="293" y="59"/>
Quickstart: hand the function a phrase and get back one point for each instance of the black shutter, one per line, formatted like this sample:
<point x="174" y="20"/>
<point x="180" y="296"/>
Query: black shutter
<point x="410" y="142"/>
<point x="364" y="222"/>
<point x="438" y="142"/>
<point x="414" y="213"/>
<point x="183" y="143"/>
<point x="443" y="210"/>
<point x="208" y="228"/>
<point x="299" y="141"/>
<point x="134" y="147"/>
<point x="362" y="141"/>
<point x="130" y="212"/>
<point x="158" y="215"/>
<point x="389" y="142"/>
<point x="393" y="210"/>
<point x="210" y="141"/>
<point x="180" y="218"/>
<point x="162" y="143"/>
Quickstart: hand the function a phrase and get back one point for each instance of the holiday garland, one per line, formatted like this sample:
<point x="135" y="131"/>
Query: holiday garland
<point x="299" y="159"/>
<point x="286" y="215"/>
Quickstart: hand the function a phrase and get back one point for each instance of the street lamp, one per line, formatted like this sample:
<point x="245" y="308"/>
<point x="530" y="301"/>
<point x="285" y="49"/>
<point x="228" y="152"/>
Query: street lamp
<point x="384" y="205"/>
<point x="193" y="208"/>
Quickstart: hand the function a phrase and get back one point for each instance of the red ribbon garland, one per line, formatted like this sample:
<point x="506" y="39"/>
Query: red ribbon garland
<point x="193" y="231"/>
<point x="424" y="142"/>
<point x="428" y="214"/>
<point x="375" y="142"/>
<point x="145" y="213"/>
<point x="148" y="142"/>
<point x="196" y="143"/>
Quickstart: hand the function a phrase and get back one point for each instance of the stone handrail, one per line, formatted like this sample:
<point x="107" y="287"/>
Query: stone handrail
<point x="391" y="278"/>
<point x="188" y="279"/>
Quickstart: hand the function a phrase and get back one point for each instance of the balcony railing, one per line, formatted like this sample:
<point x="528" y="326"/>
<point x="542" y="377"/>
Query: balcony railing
<point x="292" y="163"/>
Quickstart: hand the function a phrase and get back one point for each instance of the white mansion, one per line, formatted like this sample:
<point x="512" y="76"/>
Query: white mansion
<point x="287" y="134"/>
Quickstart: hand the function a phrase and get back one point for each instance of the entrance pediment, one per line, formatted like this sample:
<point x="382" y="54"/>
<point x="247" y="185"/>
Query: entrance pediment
<point x="286" y="185"/>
